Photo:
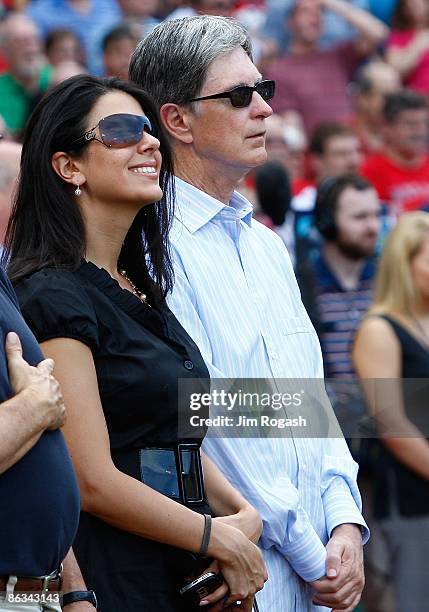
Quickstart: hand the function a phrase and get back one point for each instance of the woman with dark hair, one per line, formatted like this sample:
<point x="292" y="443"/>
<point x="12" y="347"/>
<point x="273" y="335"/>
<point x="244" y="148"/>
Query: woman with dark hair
<point x="89" y="257"/>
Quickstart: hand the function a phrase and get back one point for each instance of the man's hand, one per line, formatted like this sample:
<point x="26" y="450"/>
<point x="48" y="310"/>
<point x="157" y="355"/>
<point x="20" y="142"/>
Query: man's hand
<point x="41" y="390"/>
<point x="342" y="587"/>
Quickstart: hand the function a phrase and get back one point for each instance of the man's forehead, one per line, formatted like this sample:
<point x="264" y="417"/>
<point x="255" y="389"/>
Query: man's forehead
<point x="234" y="68"/>
<point x="306" y="6"/>
<point x="340" y="141"/>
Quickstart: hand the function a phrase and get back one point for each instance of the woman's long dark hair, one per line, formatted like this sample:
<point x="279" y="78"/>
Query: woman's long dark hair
<point x="46" y="228"/>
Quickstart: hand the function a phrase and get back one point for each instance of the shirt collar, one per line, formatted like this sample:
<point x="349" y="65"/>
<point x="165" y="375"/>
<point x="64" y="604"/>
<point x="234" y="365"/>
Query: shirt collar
<point x="195" y="208"/>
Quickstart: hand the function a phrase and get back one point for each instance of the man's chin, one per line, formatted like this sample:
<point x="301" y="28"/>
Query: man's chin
<point x="259" y="157"/>
<point x="356" y="251"/>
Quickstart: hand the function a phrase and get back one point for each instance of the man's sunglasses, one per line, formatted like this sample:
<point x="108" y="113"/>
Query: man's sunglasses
<point x="120" y="130"/>
<point x="242" y="96"/>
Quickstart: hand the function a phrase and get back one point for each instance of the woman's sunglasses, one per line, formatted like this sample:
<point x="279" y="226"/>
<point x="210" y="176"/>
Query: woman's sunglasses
<point x="120" y="130"/>
<point x="242" y="96"/>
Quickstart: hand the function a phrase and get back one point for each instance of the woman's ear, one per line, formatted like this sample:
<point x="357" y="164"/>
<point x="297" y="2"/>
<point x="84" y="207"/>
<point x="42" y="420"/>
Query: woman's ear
<point x="67" y="169"/>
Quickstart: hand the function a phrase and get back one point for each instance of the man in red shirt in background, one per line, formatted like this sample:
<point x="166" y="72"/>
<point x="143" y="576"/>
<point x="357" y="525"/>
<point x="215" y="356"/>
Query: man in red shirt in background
<point x="401" y="173"/>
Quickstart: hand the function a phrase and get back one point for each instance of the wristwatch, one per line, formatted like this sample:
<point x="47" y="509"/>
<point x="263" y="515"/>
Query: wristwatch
<point x="75" y="596"/>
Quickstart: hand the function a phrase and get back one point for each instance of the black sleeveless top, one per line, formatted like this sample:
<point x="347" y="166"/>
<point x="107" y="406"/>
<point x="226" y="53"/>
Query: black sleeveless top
<point x="397" y="487"/>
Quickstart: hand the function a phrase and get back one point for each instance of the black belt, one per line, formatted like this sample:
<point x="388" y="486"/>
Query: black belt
<point x="177" y="473"/>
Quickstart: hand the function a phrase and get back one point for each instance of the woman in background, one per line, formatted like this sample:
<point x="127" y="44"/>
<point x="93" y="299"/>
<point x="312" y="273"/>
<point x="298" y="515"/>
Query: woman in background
<point x="407" y="48"/>
<point x="393" y="345"/>
<point x="89" y="258"/>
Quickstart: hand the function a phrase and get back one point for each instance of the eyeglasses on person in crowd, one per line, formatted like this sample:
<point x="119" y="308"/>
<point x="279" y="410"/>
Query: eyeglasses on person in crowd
<point x="241" y="96"/>
<point x="119" y="130"/>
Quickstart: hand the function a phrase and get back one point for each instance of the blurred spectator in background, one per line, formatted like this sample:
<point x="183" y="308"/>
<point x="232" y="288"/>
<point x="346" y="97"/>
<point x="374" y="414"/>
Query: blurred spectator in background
<point x="273" y="192"/>
<point x="28" y="75"/>
<point x="10" y="156"/>
<point x="88" y="19"/>
<point x="335" y="29"/>
<point x="408" y="45"/>
<point x="393" y="345"/>
<point x="374" y="82"/>
<point x="203" y="7"/>
<point x="337" y="285"/>
<point x="118" y="46"/>
<point x="286" y="143"/>
<point x="401" y="172"/>
<point x="314" y="82"/>
<point x="347" y="216"/>
<point x="65" y="71"/>
<point x="63" y="46"/>
<point x="3" y="130"/>
<point x="140" y="15"/>
<point x="334" y="150"/>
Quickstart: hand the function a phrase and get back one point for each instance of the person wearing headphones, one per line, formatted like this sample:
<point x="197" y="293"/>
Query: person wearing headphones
<point x="337" y="286"/>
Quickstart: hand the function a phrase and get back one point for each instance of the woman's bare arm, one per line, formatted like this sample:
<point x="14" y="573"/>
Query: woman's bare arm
<point x="377" y="359"/>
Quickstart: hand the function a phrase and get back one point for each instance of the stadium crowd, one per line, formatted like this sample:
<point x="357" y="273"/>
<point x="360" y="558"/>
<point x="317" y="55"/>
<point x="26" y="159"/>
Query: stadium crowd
<point x="345" y="187"/>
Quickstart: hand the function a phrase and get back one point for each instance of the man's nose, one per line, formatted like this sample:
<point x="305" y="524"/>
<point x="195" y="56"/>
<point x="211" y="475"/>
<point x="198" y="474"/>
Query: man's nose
<point x="262" y="108"/>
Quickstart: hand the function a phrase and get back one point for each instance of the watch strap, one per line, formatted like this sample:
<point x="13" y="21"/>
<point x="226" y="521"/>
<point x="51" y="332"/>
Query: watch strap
<point x="75" y="596"/>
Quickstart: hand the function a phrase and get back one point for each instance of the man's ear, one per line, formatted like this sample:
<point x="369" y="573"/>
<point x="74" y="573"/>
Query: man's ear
<point x="67" y="169"/>
<point x="176" y="121"/>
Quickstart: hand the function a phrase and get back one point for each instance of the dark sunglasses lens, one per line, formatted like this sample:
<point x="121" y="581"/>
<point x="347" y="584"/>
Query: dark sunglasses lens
<point x="122" y="129"/>
<point x="266" y="89"/>
<point x="241" y="96"/>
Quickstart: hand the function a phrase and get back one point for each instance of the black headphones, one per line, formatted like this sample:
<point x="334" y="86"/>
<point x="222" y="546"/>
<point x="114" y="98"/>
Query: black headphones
<point x="324" y="211"/>
<point x="330" y="190"/>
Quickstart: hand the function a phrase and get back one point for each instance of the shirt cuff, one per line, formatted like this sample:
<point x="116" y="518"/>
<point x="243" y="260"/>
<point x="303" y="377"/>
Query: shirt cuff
<point x="340" y="508"/>
<point x="306" y="554"/>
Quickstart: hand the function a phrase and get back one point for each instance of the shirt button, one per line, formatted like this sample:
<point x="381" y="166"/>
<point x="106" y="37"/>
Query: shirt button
<point x="189" y="365"/>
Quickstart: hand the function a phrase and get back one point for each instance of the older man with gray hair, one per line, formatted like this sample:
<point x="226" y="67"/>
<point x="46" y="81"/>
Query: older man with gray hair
<point x="236" y="294"/>
<point x="28" y="76"/>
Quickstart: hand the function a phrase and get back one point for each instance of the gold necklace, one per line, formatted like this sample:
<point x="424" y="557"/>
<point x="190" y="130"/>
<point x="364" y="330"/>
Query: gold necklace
<point x="134" y="290"/>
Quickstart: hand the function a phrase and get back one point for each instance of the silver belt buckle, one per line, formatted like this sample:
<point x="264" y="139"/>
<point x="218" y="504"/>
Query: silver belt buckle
<point x="52" y="576"/>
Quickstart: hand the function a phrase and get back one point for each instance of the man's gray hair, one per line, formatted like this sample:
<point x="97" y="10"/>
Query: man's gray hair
<point x="171" y="63"/>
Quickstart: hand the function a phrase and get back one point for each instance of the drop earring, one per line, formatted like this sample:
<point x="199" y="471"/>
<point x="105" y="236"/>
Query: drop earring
<point x="77" y="191"/>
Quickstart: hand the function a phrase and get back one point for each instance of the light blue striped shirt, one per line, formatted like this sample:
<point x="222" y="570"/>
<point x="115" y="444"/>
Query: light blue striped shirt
<point x="236" y="295"/>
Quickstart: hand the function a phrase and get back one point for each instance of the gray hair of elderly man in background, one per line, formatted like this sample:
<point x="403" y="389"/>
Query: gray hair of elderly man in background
<point x="10" y="156"/>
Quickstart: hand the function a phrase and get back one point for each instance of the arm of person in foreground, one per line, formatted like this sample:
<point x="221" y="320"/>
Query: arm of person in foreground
<point x="73" y="581"/>
<point x="147" y="513"/>
<point x="37" y="404"/>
